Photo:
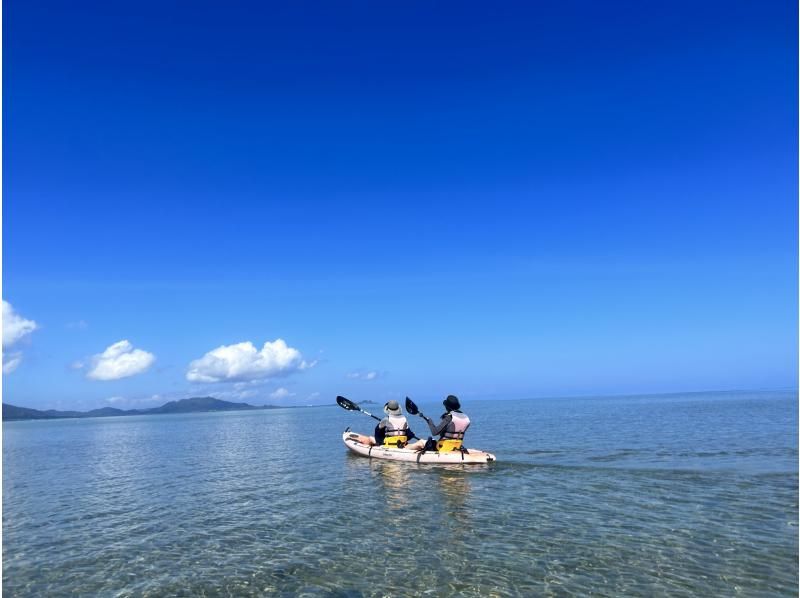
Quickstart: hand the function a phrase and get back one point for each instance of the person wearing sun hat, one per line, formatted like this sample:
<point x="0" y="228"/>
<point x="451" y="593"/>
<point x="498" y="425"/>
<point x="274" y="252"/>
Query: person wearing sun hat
<point x="393" y="429"/>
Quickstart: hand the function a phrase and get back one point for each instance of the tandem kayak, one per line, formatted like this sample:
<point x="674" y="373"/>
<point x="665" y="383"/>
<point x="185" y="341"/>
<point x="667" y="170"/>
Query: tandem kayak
<point x="359" y="444"/>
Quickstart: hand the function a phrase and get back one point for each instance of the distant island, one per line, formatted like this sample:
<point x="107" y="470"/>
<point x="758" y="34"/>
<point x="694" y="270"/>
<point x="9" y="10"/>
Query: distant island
<point x="194" y="405"/>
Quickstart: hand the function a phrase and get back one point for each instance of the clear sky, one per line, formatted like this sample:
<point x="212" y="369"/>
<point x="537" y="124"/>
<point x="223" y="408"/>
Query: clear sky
<point x="279" y="202"/>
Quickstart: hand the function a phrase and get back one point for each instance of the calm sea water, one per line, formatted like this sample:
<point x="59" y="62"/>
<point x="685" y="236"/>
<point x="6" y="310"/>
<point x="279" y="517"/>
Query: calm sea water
<point x="641" y="496"/>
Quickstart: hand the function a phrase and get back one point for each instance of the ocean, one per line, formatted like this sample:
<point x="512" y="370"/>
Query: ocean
<point x="672" y="495"/>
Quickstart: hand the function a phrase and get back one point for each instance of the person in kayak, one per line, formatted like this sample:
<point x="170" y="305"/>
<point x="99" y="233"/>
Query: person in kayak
<point x="450" y="429"/>
<point x="393" y="429"/>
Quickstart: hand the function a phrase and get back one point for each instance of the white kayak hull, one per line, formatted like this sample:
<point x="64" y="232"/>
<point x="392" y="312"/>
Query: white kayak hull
<point x="359" y="444"/>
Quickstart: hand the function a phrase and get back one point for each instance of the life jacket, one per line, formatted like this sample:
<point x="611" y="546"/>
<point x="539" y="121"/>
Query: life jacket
<point x="396" y="430"/>
<point x="453" y="435"/>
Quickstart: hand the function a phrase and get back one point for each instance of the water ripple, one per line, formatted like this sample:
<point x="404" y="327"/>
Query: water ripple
<point x="220" y="505"/>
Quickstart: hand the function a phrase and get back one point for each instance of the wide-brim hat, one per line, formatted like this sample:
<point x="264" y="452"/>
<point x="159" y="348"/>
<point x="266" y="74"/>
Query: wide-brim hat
<point x="392" y="408"/>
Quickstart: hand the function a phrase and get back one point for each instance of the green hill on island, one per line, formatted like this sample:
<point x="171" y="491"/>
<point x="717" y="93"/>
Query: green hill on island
<point x="193" y="405"/>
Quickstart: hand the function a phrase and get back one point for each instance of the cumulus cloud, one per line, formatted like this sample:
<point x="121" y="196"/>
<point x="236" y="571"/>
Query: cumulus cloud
<point x="371" y="375"/>
<point x="119" y="360"/>
<point x="280" y="393"/>
<point x="243" y="361"/>
<point x="15" y="328"/>
<point x="11" y="361"/>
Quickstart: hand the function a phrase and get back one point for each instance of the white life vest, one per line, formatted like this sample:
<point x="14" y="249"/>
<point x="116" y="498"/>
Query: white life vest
<point x="395" y="429"/>
<point x="395" y="425"/>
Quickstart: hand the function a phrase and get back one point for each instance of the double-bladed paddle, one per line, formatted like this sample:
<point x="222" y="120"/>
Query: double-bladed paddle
<point x="411" y="407"/>
<point x="351" y="406"/>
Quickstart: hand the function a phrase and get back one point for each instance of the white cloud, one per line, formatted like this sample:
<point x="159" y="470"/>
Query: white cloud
<point x="360" y="375"/>
<point x="134" y="402"/>
<point x="15" y="327"/>
<point x="243" y="361"/>
<point x="120" y="360"/>
<point x="280" y="393"/>
<point x="11" y="361"/>
<point x="248" y="384"/>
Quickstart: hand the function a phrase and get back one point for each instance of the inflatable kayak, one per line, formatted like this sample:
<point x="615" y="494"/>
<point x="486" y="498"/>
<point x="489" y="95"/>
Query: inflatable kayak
<point x="359" y="444"/>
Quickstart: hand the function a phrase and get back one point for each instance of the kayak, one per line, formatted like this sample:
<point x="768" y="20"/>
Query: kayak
<point x="359" y="444"/>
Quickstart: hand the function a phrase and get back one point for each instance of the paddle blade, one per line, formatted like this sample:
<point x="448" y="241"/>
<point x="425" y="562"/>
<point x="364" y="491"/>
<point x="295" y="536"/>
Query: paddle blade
<point x="411" y="407"/>
<point x="347" y="404"/>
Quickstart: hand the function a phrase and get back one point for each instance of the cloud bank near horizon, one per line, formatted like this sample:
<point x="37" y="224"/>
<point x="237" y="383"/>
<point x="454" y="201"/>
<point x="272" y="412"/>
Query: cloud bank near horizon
<point x="281" y="393"/>
<point x="360" y="375"/>
<point x="242" y="362"/>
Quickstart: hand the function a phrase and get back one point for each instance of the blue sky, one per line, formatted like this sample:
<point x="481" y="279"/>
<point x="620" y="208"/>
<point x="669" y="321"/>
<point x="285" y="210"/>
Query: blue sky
<point x="416" y="198"/>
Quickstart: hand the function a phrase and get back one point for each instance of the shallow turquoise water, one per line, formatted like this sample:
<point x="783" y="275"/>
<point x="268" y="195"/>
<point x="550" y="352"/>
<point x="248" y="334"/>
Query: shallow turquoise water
<point x="639" y="496"/>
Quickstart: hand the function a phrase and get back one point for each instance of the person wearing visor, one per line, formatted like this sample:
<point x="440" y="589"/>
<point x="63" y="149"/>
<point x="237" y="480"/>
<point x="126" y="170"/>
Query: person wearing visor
<point x="393" y="429"/>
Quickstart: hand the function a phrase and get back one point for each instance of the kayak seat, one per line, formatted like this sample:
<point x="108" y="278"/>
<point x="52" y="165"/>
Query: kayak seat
<point x="395" y="441"/>
<point x="448" y="444"/>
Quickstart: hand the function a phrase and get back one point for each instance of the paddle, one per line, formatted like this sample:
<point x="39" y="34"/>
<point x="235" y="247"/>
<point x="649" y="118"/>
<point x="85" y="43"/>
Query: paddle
<point x="412" y="408"/>
<point x="351" y="406"/>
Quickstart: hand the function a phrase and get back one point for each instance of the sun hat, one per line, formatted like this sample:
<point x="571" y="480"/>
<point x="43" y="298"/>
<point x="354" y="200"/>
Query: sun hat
<point x="392" y="408"/>
<point x="451" y="403"/>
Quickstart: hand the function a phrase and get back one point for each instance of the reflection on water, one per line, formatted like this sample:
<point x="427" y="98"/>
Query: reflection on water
<point x="701" y="501"/>
<point x="454" y="489"/>
<point x="392" y="480"/>
<point x="401" y="485"/>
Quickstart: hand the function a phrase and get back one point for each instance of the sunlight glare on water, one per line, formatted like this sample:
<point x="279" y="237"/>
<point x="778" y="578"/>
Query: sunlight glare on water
<point x="640" y="496"/>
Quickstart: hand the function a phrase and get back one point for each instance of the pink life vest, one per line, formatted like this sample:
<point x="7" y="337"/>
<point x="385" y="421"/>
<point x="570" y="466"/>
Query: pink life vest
<point x="458" y="425"/>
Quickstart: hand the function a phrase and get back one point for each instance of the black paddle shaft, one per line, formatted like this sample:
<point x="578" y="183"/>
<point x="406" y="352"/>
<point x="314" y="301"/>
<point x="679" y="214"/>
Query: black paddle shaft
<point x="345" y="403"/>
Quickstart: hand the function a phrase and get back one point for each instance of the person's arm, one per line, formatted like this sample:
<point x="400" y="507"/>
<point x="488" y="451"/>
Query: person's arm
<point x="380" y="432"/>
<point x="437" y="429"/>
